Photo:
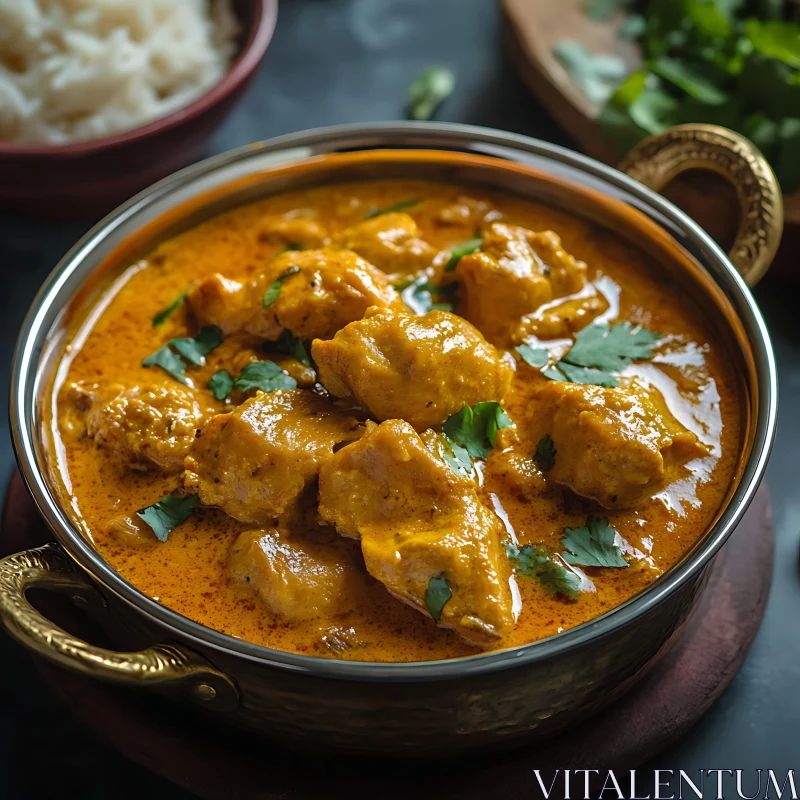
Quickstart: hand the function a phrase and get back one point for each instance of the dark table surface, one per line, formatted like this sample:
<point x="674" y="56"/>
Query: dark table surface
<point x="335" y="61"/>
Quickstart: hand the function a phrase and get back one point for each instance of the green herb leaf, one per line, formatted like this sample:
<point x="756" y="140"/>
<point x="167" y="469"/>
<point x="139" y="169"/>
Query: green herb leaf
<point x="288" y="344"/>
<point x="535" y="356"/>
<point x="165" y="312"/>
<point x="418" y="295"/>
<point x="265" y="376"/>
<point x="393" y="209"/>
<point x="686" y="77"/>
<point x="536" y="562"/>
<point x="603" y="9"/>
<point x="436" y="596"/>
<point x="221" y="384"/>
<point x="592" y="545"/>
<point x="168" y="361"/>
<point x="587" y="375"/>
<point x="776" y="39"/>
<point x="545" y="455"/>
<point x="709" y="19"/>
<point x="611" y="348"/>
<point x="169" y="512"/>
<point x="555" y="374"/>
<point x="428" y="91"/>
<point x="597" y="75"/>
<point x="476" y="429"/>
<point x="194" y="351"/>
<point x="274" y="291"/>
<point x="464" y="249"/>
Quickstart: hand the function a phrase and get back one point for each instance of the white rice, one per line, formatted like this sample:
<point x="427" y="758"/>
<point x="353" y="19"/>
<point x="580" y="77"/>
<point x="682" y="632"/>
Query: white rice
<point x="82" y="69"/>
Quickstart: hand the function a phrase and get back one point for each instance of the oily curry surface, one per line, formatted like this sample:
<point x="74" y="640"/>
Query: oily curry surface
<point x="395" y="421"/>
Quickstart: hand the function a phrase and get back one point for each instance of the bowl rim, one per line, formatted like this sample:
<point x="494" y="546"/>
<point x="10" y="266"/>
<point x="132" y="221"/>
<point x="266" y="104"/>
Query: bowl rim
<point x="260" y="26"/>
<point x="431" y="136"/>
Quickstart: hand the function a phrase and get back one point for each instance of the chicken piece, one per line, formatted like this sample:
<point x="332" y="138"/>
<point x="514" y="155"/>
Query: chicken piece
<point x="144" y="427"/>
<point x="389" y="241"/>
<point x="256" y="461"/>
<point x="294" y="229"/>
<point x="615" y="446"/>
<point x="467" y="211"/>
<point x="418" y="368"/>
<point x="418" y="520"/>
<point x="320" y="292"/>
<point x="567" y="274"/>
<point x="563" y="319"/>
<point x="297" y="577"/>
<point x="501" y="283"/>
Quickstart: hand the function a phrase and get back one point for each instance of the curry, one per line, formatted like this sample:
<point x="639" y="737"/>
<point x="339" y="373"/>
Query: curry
<point x="395" y="421"/>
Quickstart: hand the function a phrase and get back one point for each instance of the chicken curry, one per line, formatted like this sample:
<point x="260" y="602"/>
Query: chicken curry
<point x="395" y="421"/>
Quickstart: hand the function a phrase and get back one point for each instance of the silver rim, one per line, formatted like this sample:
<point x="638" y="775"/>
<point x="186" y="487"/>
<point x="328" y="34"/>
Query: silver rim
<point x="62" y="282"/>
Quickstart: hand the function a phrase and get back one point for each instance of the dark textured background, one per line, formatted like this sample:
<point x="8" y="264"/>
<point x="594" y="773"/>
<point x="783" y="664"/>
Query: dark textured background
<point x="335" y="61"/>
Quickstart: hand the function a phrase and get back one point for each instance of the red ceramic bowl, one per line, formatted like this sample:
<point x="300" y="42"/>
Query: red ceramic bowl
<point x="92" y="176"/>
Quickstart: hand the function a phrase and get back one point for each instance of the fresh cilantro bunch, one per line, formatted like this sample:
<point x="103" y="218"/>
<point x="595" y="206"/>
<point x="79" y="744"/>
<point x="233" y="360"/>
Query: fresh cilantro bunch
<point x="725" y="62"/>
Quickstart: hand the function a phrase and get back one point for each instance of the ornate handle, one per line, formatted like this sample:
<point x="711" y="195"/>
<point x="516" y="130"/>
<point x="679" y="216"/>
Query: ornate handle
<point x="161" y="667"/>
<point x="657" y="160"/>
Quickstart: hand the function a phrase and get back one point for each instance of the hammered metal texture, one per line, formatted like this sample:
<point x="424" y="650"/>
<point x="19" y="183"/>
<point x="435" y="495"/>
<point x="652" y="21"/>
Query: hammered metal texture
<point x="658" y="159"/>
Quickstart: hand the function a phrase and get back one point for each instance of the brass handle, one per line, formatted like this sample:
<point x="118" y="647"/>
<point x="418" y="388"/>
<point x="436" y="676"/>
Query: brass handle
<point x="655" y="161"/>
<point x="163" y="667"/>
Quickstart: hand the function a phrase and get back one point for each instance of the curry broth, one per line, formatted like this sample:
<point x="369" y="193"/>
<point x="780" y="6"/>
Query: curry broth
<point x="187" y="573"/>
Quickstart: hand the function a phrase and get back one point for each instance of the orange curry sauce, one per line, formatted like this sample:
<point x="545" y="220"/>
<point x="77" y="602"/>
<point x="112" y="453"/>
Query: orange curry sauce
<point x="188" y="573"/>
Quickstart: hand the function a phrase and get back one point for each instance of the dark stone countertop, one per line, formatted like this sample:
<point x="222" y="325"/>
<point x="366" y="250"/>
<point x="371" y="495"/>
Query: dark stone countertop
<point x="335" y="61"/>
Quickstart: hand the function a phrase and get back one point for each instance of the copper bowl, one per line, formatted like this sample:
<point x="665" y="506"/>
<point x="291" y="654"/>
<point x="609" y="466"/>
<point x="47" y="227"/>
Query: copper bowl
<point x="90" y="177"/>
<point x="424" y="709"/>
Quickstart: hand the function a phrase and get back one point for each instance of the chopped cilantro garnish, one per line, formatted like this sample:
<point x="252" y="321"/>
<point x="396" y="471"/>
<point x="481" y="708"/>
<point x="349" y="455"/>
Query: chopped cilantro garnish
<point x="169" y="512"/>
<point x="165" y="312"/>
<point x="428" y="91"/>
<point x="291" y="248"/>
<point x="393" y="209"/>
<point x="272" y="294"/>
<point x="476" y="428"/>
<point x="437" y="595"/>
<point x="288" y="344"/>
<point x="535" y="356"/>
<point x="464" y="249"/>
<point x="545" y="455"/>
<point x="592" y="545"/>
<point x="536" y="562"/>
<point x="221" y="384"/>
<point x="418" y="294"/>
<point x="265" y="376"/>
<point x="601" y="350"/>
<point x="456" y="457"/>
<point x="192" y="351"/>
<point x="168" y="361"/>
<point x="195" y="350"/>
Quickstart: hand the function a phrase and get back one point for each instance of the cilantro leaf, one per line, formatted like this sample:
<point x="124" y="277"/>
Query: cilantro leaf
<point x="597" y="75"/>
<point x="475" y="429"/>
<point x="221" y="384"/>
<point x="162" y="315"/>
<point x="436" y="596"/>
<point x="545" y="455"/>
<point x="587" y="375"/>
<point x="428" y="91"/>
<point x="592" y="545"/>
<point x="535" y="356"/>
<point x="464" y="249"/>
<point x="288" y="344"/>
<point x="165" y="515"/>
<point x="168" y="361"/>
<point x="265" y="376"/>
<point x="274" y="291"/>
<point x="776" y="39"/>
<point x="194" y="351"/>
<point x="536" y="562"/>
<point x="393" y="209"/>
<point x="611" y="348"/>
<point x="688" y="78"/>
<point x="418" y="295"/>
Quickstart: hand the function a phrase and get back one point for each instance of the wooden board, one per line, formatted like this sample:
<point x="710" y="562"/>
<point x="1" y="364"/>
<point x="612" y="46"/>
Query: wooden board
<point x="217" y="763"/>
<point x="533" y="28"/>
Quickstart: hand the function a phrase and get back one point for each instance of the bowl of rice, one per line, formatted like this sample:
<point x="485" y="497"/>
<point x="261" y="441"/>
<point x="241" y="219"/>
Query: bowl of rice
<point x="100" y="98"/>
